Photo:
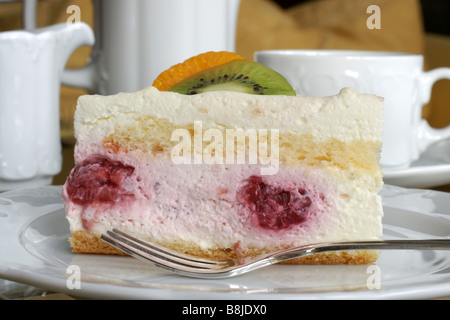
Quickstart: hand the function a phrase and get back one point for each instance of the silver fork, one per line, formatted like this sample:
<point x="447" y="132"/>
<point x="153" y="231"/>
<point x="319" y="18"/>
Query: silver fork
<point x="207" y="269"/>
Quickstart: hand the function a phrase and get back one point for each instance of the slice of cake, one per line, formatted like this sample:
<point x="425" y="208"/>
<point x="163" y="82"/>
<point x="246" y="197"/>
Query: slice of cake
<point x="226" y="174"/>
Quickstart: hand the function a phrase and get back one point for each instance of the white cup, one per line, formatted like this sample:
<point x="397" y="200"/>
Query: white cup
<point x="397" y="77"/>
<point x="138" y="39"/>
<point x="31" y="64"/>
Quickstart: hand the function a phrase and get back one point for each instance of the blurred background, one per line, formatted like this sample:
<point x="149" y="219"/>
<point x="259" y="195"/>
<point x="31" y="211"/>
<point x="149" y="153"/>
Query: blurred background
<point x="416" y="26"/>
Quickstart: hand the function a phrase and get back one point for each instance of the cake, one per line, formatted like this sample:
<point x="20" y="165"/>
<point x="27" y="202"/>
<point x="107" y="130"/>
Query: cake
<point x="225" y="174"/>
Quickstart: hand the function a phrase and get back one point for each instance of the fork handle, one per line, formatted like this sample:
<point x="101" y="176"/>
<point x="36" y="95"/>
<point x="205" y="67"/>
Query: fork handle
<point x="424" y="244"/>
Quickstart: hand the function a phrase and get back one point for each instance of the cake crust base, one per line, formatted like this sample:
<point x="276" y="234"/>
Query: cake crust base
<point x="83" y="242"/>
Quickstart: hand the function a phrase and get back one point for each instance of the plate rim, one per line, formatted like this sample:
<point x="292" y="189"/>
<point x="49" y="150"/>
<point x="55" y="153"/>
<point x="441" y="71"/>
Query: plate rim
<point x="94" y="290"/>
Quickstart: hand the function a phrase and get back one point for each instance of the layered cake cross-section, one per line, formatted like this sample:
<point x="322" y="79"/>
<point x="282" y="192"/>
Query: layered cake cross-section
<point x="226" y="174"/>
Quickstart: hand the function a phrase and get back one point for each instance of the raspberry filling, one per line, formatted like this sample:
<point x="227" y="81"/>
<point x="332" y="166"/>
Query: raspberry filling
<point x="99" y="180"/>
<point x="274" y="207"/>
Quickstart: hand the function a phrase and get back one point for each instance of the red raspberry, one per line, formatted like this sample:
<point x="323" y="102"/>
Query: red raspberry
<point x="274" y="207"/>
<point x="99" y="180"/>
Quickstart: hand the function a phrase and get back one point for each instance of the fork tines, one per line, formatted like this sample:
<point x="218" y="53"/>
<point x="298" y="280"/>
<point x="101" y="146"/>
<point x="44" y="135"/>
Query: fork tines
<point x="162" y="257"/>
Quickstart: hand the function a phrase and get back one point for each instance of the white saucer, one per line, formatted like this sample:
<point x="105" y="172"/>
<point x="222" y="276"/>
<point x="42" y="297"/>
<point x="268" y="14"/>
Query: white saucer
<point x="432" y="169"/>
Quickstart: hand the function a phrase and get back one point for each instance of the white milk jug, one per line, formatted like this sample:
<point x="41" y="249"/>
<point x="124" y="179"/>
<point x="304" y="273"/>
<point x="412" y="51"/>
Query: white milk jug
<point x="31" y="66"/>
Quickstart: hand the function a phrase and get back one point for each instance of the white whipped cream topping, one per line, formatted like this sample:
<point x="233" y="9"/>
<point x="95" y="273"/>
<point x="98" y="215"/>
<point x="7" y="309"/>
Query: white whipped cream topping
<point x="345" y="117"/>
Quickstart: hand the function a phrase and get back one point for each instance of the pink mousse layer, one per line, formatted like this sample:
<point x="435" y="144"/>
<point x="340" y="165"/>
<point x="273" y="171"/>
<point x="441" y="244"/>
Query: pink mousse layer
<point x="214" y="206"/>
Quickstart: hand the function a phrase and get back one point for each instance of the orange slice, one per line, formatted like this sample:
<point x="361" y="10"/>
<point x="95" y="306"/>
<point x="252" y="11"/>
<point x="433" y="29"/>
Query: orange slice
<point x="191" y="66"/>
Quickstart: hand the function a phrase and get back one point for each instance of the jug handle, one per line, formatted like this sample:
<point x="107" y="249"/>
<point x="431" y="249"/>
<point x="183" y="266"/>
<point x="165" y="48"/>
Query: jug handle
<point x="84" y="77"/>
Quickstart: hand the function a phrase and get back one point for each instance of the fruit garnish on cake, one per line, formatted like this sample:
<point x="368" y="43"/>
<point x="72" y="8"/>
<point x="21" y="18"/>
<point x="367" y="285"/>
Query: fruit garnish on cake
<point x="191" y="66"/>
<point x="222" y="71"/>
<point x="325" y="186"/>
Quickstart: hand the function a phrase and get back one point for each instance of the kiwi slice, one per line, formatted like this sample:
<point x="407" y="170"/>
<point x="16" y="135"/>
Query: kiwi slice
<point x="237" y="75"/>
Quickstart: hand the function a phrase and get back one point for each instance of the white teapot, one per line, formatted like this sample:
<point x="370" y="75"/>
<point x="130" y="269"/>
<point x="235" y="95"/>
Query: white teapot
<point x="138" y="39"/>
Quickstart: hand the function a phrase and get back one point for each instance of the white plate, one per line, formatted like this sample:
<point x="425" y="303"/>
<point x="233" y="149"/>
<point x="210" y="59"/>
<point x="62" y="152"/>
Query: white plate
<point x="34" y="250"/>
<point x="432" y="169"/>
